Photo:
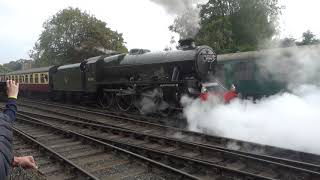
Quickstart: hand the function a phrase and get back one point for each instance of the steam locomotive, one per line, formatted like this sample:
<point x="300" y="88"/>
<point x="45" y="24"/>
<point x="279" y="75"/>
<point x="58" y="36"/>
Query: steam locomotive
<point x="149" y="81"/>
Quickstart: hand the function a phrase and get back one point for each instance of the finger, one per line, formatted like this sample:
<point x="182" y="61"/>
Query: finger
<point x="8" y="83"/>
<point x="14" y="82"/>
<point x="17" y="85"/>
<point x="32" y="159"/>
<point x="34" y="166"/>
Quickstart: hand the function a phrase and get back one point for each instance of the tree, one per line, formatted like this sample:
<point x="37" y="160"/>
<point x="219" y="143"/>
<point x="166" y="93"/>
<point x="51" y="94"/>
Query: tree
<point x="288" y="42"/>
<point x="237" y="25"/>
<point x="15" y="65"/>
<point x="71" y="36"/>
<point x="308" y="38"/>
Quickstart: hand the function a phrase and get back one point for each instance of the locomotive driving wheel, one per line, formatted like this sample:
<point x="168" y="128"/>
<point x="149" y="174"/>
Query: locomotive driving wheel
<point x="124" y="102"/>
<point x="105" y="99"/>
<point x="165" y="112"/>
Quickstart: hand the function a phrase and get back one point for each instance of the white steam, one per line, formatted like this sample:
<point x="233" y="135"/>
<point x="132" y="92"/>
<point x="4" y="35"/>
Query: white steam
<point x="296" y="65"/>
<point x="289" y="120"/>
<point x="151" y="102"/>
<point x="187" y="21"/>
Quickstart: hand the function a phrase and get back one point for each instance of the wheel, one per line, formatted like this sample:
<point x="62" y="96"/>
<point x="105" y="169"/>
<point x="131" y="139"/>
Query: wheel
<point x="165" y="112"/>
<point x="124" y="102"/>
<point x="105" y="100"/>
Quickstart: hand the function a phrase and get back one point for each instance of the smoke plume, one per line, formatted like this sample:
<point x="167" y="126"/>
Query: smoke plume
<point x="187" y="21"/>
<point x="287" y="119"/>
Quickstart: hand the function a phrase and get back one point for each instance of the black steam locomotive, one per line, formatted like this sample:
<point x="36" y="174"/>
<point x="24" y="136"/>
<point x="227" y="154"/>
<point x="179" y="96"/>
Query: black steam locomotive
<point x="149" y="81"/>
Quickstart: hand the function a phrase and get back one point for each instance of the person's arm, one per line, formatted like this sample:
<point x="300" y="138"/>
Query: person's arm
<point x="11" y="107"/>
<point x="5" y="145"/>
<point x="6" y="122"/>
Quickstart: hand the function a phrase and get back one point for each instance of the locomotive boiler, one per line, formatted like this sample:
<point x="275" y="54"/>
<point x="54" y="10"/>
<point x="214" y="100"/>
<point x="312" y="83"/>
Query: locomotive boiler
<point x="153" y="81"/>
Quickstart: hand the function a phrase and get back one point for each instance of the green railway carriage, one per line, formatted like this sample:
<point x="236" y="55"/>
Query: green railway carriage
<point x="245" y="70"/>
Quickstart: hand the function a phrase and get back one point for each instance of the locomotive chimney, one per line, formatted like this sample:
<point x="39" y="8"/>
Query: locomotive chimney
<point x="186" y="44"/>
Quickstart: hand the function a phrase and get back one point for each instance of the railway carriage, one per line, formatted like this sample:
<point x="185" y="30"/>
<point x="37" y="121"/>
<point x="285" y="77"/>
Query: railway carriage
<point x="250" y="71"/>
<point x="32" y="80"/>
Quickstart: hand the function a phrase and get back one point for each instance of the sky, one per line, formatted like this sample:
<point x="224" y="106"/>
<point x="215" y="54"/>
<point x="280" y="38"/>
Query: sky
<point x="143" y="23"/>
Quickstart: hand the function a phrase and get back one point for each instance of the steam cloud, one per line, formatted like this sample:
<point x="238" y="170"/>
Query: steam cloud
<point x="187" y="15"/>
<point x="149" y="102"/>
<point x="287" y="119"/>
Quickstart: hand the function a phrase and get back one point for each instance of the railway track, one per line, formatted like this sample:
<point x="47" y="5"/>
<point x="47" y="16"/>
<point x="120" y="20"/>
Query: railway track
<point x="98" y="159"/>
<point x="168" y="121"/>
<point x="51" y="164"/>
<point x="269" y="153"/>
<point x="174" y="151"/>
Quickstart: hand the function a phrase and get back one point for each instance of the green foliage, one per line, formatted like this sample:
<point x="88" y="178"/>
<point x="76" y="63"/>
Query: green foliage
<point x="237" y="25"/>
<point x="71" y="36"/>
<point x="288" y="42"/>
<point x="308" y="38"/>
<point x="13" y="66"/>
<point x="4" y="69"/>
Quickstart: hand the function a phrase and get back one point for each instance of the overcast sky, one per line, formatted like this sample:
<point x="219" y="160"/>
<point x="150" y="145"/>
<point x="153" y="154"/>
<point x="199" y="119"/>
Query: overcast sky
<point x="143" y="23"/>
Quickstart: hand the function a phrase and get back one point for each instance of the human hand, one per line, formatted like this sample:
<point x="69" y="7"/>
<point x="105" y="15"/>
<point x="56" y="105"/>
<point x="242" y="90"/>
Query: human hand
<point x="26" y="162"/>
<point x="12" y="89"/>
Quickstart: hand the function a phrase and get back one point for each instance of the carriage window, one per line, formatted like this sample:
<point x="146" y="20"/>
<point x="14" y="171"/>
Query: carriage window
<point x="26" y="78"/>
<point x="36" y="78"/>
<point x="42" y="78"/>
<point x="31" y="78"/>
<point x="46" y="78"/>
